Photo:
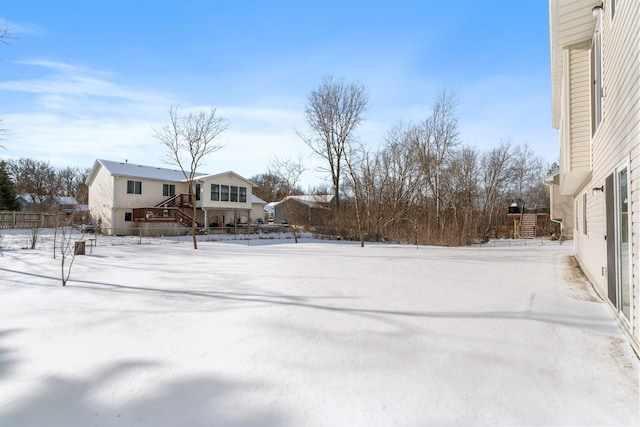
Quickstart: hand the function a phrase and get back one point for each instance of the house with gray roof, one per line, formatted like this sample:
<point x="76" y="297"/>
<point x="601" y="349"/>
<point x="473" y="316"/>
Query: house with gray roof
<point x="126" y="198"/>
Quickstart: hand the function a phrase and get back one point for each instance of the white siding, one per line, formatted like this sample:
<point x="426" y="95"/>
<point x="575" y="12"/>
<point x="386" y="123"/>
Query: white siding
<point x="225" y="179"/>
<point x="101" y="198"/>
<point x="616" y="142"/>
<point x="579" y="108"/>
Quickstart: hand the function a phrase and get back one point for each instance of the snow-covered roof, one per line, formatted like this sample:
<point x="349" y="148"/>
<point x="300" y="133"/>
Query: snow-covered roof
<point x="62" y="200"/>
<point x="316" y="198"/>
<point x="257" y="200"/>
<point x="66" y="200"/>
<point x="140" y="171"/>
<point x="271" y="207"/>
<point x="28" y="199"/>
<point x="312" y="200"/>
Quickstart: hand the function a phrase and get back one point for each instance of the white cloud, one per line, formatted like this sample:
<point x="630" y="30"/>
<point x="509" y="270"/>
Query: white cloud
<point x="79" y="114"/>
<point x="71" y="81"/>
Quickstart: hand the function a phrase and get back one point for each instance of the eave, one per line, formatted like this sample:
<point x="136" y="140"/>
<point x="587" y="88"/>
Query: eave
<point x="570" y="22"/>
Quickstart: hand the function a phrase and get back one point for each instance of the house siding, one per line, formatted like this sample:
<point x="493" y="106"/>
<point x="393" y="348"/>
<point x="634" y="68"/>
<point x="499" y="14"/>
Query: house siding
<point x="615" y="144"/>
<point x="225" y="179"/>
<point x="579" y="108"/>
<point x="101" y="198"/>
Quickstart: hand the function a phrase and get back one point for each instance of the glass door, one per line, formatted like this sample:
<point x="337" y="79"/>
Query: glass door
<point x="622" y="240"/>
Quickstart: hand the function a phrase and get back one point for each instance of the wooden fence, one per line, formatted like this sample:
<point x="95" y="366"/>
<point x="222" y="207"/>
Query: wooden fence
<point x="10" y="220"/>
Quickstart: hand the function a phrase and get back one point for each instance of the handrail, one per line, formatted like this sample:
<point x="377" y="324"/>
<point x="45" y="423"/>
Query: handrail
<point x="171" y="202"/>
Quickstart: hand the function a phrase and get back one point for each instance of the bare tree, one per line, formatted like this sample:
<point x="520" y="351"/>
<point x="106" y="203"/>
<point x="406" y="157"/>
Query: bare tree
<point x="81" y="190"/>
<point x="6" y="34"/>
<point x="436" y="141"/>
<point x="270" y="187"/>
<point x="354" y="157"/>
<point x="66" y="246"/>
<point x="495" y="165"/>
<point x="36" y="179"/>
<point x="188" y="140"/>
<point x="333" y="112"/>
<point x="288" y="172"/>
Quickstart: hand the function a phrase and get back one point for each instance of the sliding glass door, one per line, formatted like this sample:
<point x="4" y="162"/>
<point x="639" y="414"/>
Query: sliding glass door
<point x="618" y="241"/>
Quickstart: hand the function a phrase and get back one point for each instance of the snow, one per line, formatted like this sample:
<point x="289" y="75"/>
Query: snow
<point x="319" y="333"/>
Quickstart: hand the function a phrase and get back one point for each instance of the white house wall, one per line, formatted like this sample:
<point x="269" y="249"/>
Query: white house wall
<point x="101" y="199"/>
<point x="579" y="109"/>
<point x="616" y="143"/>
<point x="225" y="179"/>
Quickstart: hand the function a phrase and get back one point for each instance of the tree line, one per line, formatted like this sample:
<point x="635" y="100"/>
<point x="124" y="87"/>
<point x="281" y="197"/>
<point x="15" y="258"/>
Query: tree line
<point x="41" y="182"/>
<point x="421" y="185"/>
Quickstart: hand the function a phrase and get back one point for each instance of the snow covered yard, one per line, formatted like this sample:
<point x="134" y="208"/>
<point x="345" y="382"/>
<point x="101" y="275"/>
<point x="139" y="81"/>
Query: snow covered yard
<point x="270" y="333"/>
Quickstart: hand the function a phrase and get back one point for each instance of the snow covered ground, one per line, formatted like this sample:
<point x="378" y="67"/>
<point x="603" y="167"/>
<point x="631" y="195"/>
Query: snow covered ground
<point x="270" y="333"/>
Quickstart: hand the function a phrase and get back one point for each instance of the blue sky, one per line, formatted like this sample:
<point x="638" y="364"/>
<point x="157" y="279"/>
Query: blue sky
<point x="89" y="80"/>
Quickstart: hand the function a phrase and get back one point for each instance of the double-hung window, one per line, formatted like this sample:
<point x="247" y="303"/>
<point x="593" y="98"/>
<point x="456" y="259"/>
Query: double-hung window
<point x="224" y="193"/>
<point x="134" y="187"/>
<point x="215" y="192"/>
<point x="168" y="190"/>
<point x="234" y="193"/>
<point x="243" y="194"/>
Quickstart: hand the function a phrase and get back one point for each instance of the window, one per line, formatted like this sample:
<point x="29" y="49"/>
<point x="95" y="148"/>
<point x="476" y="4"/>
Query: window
<point x="128" y="216"/>
<point x="224" y="193"/>
<point x="134" y="187"/>
<point x="197" y="191"/>
<point x="596" y="75"/>
<point x="168" y="190"/>
<point x="215" y="192"/>
<point x="584" y="214"/>
<point x="228" y="193"/>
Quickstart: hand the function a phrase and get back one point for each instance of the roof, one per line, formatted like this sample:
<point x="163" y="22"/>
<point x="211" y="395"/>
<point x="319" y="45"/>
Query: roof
<point x="257" y="200"/>
<point x="313" y="200"/>
<point x="27" y="198"/>
<point x="227" y="173"/>
<point x="139" y="171"/>
<point x="63" y="200"/>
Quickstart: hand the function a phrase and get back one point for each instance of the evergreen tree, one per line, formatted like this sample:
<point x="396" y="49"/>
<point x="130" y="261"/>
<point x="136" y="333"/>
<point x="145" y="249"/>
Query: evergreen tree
<point x="8" y="201"/>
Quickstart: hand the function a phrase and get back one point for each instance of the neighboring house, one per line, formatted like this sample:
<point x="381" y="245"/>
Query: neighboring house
<point x="561" y="206"/>
<point x="310" y="210"/>
<point x="595" y="63"/>
<point x="36" y="204"/>
<point x="258" y="213"/>
<point x="125" y="197"/>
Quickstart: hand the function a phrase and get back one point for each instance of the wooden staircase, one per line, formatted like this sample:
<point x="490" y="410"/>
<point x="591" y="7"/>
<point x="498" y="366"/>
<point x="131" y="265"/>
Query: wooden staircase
<point x="528" y="226"/>
<point x="170" y="210"/>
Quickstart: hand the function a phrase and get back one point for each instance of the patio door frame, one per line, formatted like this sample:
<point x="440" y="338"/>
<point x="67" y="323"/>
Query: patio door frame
<point x="619" y="258"/>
